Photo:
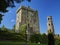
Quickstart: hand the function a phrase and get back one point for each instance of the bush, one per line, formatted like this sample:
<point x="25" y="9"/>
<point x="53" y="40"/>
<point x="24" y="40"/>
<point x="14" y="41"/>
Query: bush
<point x="35" y="38"/>
<point x="7" y="36"/>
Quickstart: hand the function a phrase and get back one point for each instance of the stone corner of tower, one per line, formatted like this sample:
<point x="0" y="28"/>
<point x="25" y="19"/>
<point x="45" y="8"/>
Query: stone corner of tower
<point x="19" y="8"/>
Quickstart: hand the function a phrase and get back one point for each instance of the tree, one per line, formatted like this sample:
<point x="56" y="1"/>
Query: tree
<point x="22" y="29"/>
<point x="3" y="28"/>
<point x="0" y="18"/>
<point x="51" y="40"/>
<point x="13" y="28"/>
<point x="35" y="38"/>
<point x="44" y="38"/>
<point x="8" y="3"/>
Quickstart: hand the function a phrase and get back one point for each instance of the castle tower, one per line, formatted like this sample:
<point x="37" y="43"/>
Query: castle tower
<point x="50" y="27"/>
<point x="26" y="15"/>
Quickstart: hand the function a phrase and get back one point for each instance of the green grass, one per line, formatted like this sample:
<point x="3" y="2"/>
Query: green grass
<point x="18" y="43"/>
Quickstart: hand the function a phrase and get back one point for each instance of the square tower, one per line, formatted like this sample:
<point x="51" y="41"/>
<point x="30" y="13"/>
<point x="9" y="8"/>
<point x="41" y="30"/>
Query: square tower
<point x="26" y="15"/>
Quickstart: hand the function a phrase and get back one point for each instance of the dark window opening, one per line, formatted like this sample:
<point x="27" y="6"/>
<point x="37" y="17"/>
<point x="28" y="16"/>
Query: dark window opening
<point x="49" y="24"/>
<point x="52" y="24"/>
<point x="48" y="18"/>
<point x="19" y="24"/>
<point x="28" y="25"/>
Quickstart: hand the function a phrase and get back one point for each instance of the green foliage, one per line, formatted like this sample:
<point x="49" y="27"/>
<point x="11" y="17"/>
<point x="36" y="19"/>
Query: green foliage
<point x="35" y="38"/>
<point x="13" y="28"/>
<point x="57" y="41"/>
<point x="6" y="35"/>
<point x="51" y="40"/>
<point x="18" y="43"/>
<point x="3" y="6"/>
<point x="22" y="29"/>
<point x="9" y="3"/>
<point x="42" y="38"/>
<point x="0" y="18"/>
<point x="10" y="35"/>
<point x="3" y="28"/>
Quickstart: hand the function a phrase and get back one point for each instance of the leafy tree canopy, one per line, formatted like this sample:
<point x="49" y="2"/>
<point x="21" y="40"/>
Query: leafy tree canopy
<point x="9" y="3"/>
<point x="0" y="18"/>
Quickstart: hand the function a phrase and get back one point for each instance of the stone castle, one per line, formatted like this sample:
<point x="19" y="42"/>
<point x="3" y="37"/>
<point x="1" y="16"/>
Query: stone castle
<point x="26" y="15"/>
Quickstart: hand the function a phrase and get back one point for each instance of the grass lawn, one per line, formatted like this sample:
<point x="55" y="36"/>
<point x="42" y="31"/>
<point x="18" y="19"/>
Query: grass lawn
<point x="18" y="43"/>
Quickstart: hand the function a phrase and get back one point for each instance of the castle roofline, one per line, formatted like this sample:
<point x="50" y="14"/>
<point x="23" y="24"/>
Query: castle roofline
<point x="26" y="8"/>
<point x="49" y="17"/>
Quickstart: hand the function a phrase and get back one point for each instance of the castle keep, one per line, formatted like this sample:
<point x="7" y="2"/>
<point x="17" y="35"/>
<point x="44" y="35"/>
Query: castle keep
<point x="26" y="15"/>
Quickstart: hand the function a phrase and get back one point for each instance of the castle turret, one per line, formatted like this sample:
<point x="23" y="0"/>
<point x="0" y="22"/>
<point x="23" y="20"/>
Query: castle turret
<point x="50" y="27"/>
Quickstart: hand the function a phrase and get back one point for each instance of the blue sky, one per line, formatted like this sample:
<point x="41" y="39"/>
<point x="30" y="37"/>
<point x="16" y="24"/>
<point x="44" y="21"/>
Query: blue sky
<point x="45" y="8"/>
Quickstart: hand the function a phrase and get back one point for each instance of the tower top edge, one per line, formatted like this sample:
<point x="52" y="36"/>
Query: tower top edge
<point x="26" y="7"/>
<point x="49" y="16"/>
